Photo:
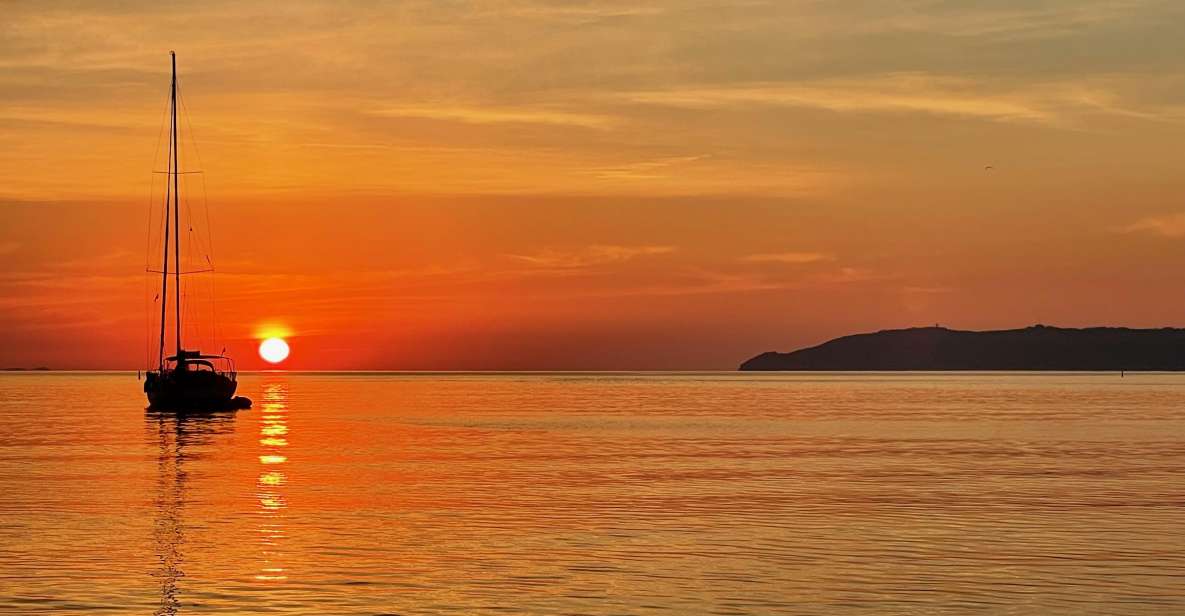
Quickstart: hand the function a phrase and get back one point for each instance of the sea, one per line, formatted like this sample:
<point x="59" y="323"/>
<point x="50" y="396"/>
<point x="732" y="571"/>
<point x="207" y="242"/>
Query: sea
<point x="598" y="493"/>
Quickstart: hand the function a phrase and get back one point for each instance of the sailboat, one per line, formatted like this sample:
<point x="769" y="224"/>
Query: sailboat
<point x="187" y="379"/>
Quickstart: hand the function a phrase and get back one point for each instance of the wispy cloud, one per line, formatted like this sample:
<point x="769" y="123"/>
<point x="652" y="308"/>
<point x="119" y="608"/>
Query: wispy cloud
<point x="708" y="282"/>
<point x="846" y="275"/>
<point x="647" y="169"/>
<point x="787" y="257"/>
<point x="1170" y="225"/>
<point x="1000" y="21"/>
<point x="482" y="114"/>
<point x="885" y="93"/>
<point x="577" y="14"/>
<point x="1052" y="103"/>
<point x="597" y="254"/>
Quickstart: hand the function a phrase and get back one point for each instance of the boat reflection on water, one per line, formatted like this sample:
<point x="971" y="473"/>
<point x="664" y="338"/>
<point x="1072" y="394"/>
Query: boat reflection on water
<point x="273" y="439"/>
<point x="180" y="437"/>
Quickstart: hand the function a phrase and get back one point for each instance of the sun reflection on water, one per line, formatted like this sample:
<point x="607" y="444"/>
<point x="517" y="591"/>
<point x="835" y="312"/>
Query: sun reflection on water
<point x="273" y="427"/>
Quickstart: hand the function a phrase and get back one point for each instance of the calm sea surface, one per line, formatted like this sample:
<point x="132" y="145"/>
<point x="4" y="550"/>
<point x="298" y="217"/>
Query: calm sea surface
<point x="708" y="493"/>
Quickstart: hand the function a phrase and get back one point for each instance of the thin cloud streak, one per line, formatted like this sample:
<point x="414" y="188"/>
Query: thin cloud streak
<point x="1171" y="225"/>
<point x="646" y="170"/>
<point x="597" y="254"/>
<point x="1051" y="104"/>
<point x="1008" y="23"/>
<point x="482" y="114"/>
<point x="787" y="257"/>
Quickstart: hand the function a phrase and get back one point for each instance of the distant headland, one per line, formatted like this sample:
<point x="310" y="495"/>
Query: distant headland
<point x="1039" y="347"/>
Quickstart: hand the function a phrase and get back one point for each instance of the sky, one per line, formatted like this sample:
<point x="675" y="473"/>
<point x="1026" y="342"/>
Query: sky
<point x="564" y="185"/>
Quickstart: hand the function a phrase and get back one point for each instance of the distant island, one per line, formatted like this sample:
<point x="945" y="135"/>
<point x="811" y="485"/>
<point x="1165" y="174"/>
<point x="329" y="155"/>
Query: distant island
<point x="1039" y="347"/>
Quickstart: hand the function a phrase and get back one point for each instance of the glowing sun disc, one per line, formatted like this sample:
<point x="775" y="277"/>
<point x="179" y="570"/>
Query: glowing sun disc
<point x="273" y="350"/>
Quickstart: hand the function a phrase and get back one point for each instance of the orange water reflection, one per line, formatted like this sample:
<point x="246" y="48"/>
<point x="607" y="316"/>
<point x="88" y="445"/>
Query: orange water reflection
<point x="273" y="428"/>
<point x="450" y="494"/>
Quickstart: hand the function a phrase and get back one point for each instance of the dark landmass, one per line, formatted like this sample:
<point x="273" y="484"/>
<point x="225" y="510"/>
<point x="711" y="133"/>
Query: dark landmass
<point x="38" y="368"/>
<point x="1033" y="348"/>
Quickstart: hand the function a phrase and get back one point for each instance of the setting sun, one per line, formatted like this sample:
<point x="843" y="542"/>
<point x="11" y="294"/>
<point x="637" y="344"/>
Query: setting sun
<point x="273" y="350"/>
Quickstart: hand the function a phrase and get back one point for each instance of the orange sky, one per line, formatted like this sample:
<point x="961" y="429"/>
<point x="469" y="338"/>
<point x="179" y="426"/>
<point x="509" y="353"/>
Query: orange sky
<point x="531" y="185"/>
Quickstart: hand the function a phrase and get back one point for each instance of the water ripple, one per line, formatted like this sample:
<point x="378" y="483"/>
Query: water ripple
<point x="619" y="493"/>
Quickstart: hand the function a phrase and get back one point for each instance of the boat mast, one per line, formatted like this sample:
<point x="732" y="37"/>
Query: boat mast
<point x="164" y="270"/>
<point x="176" y="209"/>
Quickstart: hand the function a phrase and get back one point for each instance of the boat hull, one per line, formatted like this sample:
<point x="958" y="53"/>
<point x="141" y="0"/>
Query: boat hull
<point x="173" y="389"/>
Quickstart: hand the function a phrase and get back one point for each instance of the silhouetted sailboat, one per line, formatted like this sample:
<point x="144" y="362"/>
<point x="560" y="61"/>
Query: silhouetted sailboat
<point x="186" y="380"/>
